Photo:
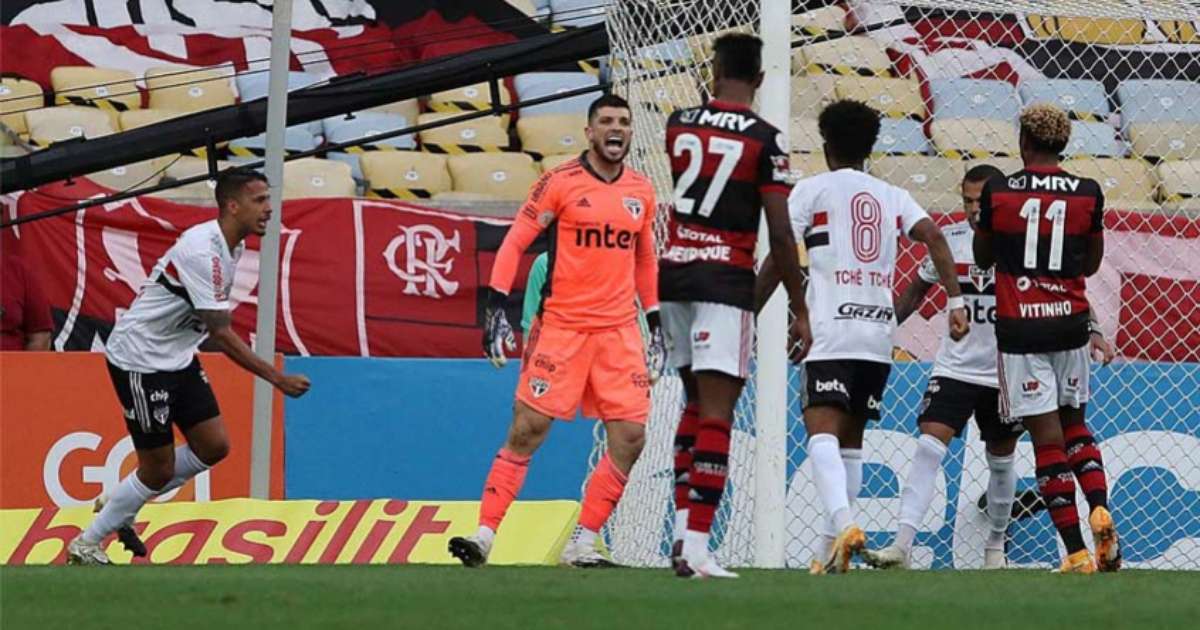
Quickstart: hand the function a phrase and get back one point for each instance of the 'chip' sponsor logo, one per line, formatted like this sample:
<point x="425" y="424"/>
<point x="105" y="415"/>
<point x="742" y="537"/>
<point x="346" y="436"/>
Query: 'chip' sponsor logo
<point x="865" y="312"/>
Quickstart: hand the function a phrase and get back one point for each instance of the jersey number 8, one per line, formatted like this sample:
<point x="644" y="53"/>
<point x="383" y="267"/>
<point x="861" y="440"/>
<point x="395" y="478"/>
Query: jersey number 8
<point x="866" y="218"/>
<point x="730" y="152"/>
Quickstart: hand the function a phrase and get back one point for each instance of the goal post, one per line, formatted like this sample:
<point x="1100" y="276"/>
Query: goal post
<point x="949" y="80"/>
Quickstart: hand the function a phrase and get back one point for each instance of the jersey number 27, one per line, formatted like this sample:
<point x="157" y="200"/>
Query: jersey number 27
<point x="689" y="143"/>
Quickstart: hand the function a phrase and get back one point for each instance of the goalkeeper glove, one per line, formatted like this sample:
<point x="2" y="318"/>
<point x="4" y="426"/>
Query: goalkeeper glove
<point x="497" y="333"/>
<point x="656" y="348"/>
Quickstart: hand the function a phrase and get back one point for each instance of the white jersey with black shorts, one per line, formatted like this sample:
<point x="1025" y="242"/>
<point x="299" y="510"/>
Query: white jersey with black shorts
<point x="152" y="349"/>
<point x="849" y="222"/>
<point x="964" y="381"/>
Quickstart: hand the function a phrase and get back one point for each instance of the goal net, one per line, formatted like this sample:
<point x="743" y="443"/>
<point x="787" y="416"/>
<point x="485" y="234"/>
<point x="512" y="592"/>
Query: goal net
<point x="949" y="79"/>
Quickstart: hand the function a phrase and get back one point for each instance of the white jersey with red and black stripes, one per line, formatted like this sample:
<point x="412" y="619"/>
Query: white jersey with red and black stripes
<point x="849" y="221"/>
<point x="971" y="359"/>
<point x="161" y="332"/>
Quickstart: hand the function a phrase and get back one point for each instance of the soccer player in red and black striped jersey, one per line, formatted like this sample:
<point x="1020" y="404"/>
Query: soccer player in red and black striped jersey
<point x="727" y="163"/>
<point x="1043" y="229"/>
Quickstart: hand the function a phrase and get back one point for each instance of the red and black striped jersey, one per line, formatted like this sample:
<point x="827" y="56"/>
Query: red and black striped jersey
<point x="724" y="157"/>
<point x="1041" y="219"/>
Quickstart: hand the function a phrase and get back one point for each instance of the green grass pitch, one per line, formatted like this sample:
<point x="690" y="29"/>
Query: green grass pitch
<point x="363" y="597"/>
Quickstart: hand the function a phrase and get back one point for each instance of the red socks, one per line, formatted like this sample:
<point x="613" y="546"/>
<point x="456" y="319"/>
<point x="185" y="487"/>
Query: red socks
<point x="710" y="467"/>
<point x="503" y="483"/>
<point x="685" y="442"/>
<point x="602" y="494"/>
<point x="1057" y="487"/>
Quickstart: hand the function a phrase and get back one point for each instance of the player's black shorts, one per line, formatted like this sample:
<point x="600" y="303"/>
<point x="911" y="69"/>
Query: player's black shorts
<point x="854" y="386"/>
<point x="154" y="401"/>
<point x="951" y="402"/>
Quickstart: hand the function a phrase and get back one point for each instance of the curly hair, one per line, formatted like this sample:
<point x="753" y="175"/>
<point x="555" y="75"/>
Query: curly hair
<point x="849" y="129"/>
<point x="1047" y="127"/>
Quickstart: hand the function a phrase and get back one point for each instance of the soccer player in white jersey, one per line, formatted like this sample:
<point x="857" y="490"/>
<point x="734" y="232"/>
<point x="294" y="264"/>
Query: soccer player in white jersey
<point x="153" y="365"/>
<point x="850" y="222"/>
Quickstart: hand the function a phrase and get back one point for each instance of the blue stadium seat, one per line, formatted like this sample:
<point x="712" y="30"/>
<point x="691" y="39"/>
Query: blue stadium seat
<point x="577" y="13"/>
<point x="899" y="136"/>
<point x="1158" y="101"/>
<point x="537" y="84"/>
<point x="1085" y="100"/>
<point x="1094" y="138"/>
<point x="254" y="85"/>
<point x="974" y="98"/>
<point x="343" y="129"/>
<point x="295" y="139"/>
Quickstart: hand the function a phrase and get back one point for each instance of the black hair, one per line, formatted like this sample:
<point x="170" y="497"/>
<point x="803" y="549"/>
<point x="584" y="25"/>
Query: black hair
<point x="982" y="173"/>
<point x="608" y="100"/>
<point x="849" y="129"/>
<point x="738" y="56"/>
<point x="230" y="182"/>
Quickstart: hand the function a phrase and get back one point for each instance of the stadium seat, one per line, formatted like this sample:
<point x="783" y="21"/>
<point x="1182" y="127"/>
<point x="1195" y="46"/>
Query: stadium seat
<point x="472" y="136"/>
<point x="1094" y="138"/>
<point x="1158" y="101"/>
<point x="506" y="176"/>
<point x="1083" y="100"/>
<point x="460" y="195"/>
<point x="1007" y="165"/>
<point x="663" y="56"/>
<point x="974" y="98"/>
<point x="470" y="98"/>
<point x="363" y="124"/>
<point x="537" y="9"/>
<point x="1089" y="30"/>
<point x="295" y="140"/>
<point x="405" y="174"/>
<point x="539" y="84"/>
<point x="1128" y="184"/>
<point x="1180" y="31"/>
<point x="1169" y="141"/>
<point x="18" y="95"/>
<point x="804" y="136"/>
<point x="901" y="137"/>
<point x="818" y="21"/>
<point x="410" y="109"/>
<point x="198" y="192"/>
<point x="52" y="124"/>
<point x="189" y="89"/>
<point x="312" y="177"/>
<point x="810" y="94"/>
<point x="894" y="98"/>
<point x="130" y="176"/>
<point x="848" y="56"/>
<point x="964" y="137"/>
<point x="550" y="162"/>
<point x="552" y="134"/>
<point x="807" y="164"/>
<point x="254" y="85"/>
<point x="666" y="94"/>
<point x="577" y="13"/>
<point x="113" y="91"/>
<point x="1180" y="186"/>
<point x="135" y="118"/>
<point x="933" y="181"/>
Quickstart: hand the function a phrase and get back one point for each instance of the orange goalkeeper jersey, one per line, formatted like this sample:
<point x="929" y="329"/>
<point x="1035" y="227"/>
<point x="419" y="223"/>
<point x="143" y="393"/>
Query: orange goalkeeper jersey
<point x="601" y="246"/>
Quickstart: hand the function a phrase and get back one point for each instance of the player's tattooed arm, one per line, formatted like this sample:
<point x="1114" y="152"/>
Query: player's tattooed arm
<point x="220" y="333"/>
<point x="910" y="298"/>
<point x="927" y="232"/>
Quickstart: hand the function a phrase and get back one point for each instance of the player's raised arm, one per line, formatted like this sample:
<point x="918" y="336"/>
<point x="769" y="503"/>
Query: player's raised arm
<point x="927" y="232"/>
<point x="220" y="332"/>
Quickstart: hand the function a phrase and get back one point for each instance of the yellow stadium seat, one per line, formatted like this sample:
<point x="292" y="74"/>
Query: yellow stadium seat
<point x="506" y="176"/>
<point x="307" y="178"/>
<point x="405" y="174"/>
<point x="409" y="108"/>
<point x="1089" y="30"/>
<point x="895" y="98"/>
<point x="1166" y="141"/>
<point x="959" y="138"/>
<point x="667" y="93"/>
<point x="807" y="164"/>
<point x="804" y="136"/>
<point x="472" y="136"/>
<point x="470" y="98"/>
<point x="933" y="181"/>
<point x="114" y="91"/>
<point x="1128" y="184"/>
<point x="846" y="56"/>
<point x="552" y="134"/>
<point x="135" y="118"/>
<point x="53" y="124"/>
<point x="18" y="95"/>
<point x="819" y="21"/>
<point x="810" y="94"/>
<point x="189" y="89"/>
<point x="1180" y="31"/>
<point x="196" y="193"/>
<point x="130" y="176"/>
<point x="1179" y="182"/>
<point x="460" y="196"/>
<point x="551" y="162"/>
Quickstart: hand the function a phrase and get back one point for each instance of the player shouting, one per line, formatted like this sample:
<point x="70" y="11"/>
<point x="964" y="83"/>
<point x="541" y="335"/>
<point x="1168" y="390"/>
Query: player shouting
<point x="157" y="376"/>
<point x="586" y="347"/>
<point x="850" y="222"/>
<point x="1044" y="230"/>
<point x="727" y="163"/>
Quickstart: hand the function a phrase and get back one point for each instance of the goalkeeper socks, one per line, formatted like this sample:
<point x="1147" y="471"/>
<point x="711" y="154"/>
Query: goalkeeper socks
<point x="685" y="443"/>
<point x="1084" y="457"/>
<point x="602" y="494"/>
<point x="829" y="475"/>
<point x="1002" y="482"/>
<point x="503" y="483"/>
<point x="1057" y="487"/>
<point x="918" y="488"/>
<point x="187" y="465"/>
<point x="122" y="507"/>
<point x="710" y="467"/>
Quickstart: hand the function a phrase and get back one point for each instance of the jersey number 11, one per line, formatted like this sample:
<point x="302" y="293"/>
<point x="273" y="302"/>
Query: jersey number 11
<point x="1057" y="213"/>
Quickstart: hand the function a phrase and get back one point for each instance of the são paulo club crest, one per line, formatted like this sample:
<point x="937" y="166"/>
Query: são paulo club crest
<point x="634" y="206"/>
<point x="981" y="278"/>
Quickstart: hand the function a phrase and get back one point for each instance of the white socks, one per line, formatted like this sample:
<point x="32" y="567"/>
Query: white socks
<point x="122" y="507"/>
<point x="486" y="534"/>
<point x="829" y="474"/>
<point x="853" y="462"/>
<point x="1002" y="481"/>
<point x="584" y="536"/>
<point x="918" y="488"/>
<point x="187" y="465"/>
<point x="695" y="544"/>
<point x="681" y="517"/>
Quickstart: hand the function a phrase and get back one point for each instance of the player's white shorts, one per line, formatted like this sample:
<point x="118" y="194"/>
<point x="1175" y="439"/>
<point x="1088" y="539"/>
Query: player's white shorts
<point x="1032" y="384"/>
<point x="708" y="336"/>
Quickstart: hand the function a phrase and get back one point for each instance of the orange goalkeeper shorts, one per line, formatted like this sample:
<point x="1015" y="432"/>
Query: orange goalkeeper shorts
<point x="604" y="372"/>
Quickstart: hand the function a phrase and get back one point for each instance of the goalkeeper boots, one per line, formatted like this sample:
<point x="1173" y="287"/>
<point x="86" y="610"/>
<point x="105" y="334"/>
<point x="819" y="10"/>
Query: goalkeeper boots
<point x="1078" y="562"/>
<point x="472" y="551"/>
<point x="86" y="553"/>
<point x="1104" y="535"/>
<point x="849" y="542"/>
<point x="891" y="557"/>
<point x="125" y="533"/>
<point x="582" y="554"/>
